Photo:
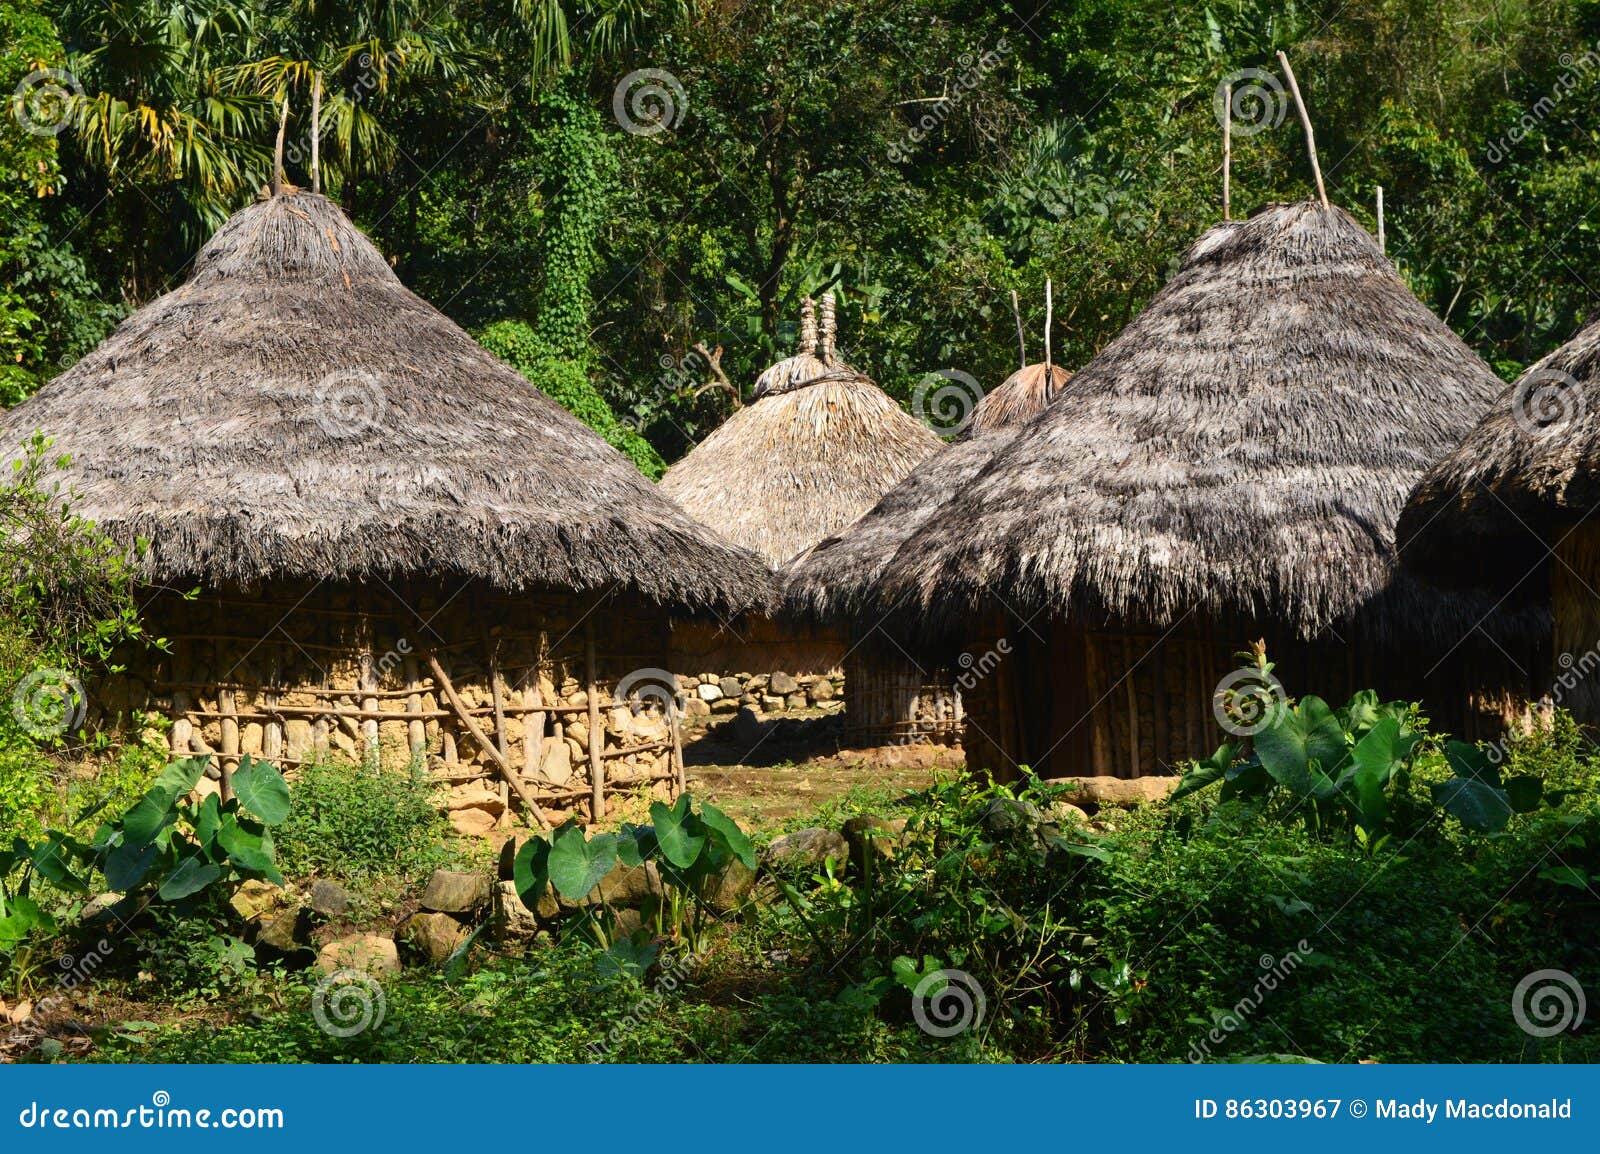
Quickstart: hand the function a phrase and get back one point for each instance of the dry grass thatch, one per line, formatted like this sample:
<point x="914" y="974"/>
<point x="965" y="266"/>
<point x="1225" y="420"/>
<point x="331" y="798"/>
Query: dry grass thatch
<point x="816" y="451"/>
<point x="1489" y="513"/>
<point x="838" y="578"/>
<point x="1244" y="447"/>
<point x="294" y="411"/>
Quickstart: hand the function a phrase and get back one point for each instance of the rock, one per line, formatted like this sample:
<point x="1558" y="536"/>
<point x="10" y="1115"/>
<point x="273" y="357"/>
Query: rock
<point x="808" y="847"/>
<point x="449" y="892"/>
<point x="330" y="899"/>
<point x="772" y="705"/>
<point x="869" y="835"/>
<point x="555" y="762"/>
<point x="625" y="921"/>
<point x="628" y="886"/>
<point x="515" y="919"/>
<point x="724" y="705"/>
<point x="475" y="795"/>
<point x="708" y="692"/>
<point x="1123" y="791"/>
<point x="820" y="690"/>
<point x="731" y="687"/>
<point x="620" y="720"/>
<point x="433" y="937"/>
<point x="782" y="683"/>
<point x="473" y="822"/>
<point x="288" y="933"/>
<point x="1065" y="812"/>
<point x="728" y="890"/>
<point x="755" y="684"/>
<point x="708" y="679"/>
<point x="373" y="953"/>
<point x="748" y="729"/>
<point x="252" y="900"/>
<point x="694" y="707"/>
<point x="102" y="904"/>
<point x="578" y="731"/>
<point x="577" y="697"/>
<point x="508" y="853"/>
<point x="797" y="701"/>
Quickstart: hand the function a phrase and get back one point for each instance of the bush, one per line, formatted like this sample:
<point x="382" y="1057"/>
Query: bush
<point x="351" y="820"/>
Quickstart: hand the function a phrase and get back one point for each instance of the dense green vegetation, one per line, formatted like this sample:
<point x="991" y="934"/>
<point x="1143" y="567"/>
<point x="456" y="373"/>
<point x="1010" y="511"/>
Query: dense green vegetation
<point x="922" y="159"/>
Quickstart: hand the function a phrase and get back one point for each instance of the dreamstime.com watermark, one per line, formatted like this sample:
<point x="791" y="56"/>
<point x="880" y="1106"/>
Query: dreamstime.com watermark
<point x="676" y="969"/>
<point x="1250" y="100"/>
<point x="649" y="102"/>
<point x="1231" y="1020"/>
<point x="946" y="401"/>
<point x="48" y="702"/>
<point x="974" y="69"/>
<point x="650" y="687"/>
<point x="349" y="403"/>
<point x="1544" y="401"/>
<point x="44" y="101"/>
<point x="948" y="1002"/>
<point x="1248" y="700"/>
<point x="348" y="1002"/>
<point x="160" y="1114"/>
<point x="1575" y="70"/>
<point x="1548" y="1002"/>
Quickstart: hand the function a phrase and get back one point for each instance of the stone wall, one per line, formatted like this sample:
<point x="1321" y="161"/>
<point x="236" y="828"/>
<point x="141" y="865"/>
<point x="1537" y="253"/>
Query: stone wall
<point x="710" y="694"/>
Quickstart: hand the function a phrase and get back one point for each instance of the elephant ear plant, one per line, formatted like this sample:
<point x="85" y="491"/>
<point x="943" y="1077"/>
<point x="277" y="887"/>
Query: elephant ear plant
<point x="691" y="850"/>
<point x="1351" y="769"/>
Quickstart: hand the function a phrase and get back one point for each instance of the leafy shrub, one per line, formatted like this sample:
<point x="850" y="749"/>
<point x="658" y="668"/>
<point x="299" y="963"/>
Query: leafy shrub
<point x="354" y="820"/>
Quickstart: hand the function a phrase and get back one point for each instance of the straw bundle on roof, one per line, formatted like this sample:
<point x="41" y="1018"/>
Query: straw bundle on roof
<point x="814" y="452"/>
<point x="294" y="411"/>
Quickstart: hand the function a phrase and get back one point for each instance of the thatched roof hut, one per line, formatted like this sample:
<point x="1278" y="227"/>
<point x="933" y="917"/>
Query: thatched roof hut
<point x="894" y="690"/>
<point x="294" y="410"/>
<point x="1510" y="512"/>
<point x="815" y="450"/>
<point x="393" y="533"/>
<point x="1231" y="465"/>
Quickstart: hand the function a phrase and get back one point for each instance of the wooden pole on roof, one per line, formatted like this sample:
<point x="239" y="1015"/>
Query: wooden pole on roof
<point x="1382" y="243"/>
<point x="277" y="152"/>
<point x="1022" y="344"/>
<point x="1227" y="152"/>
<point x="1049" y="316"/>
<point x="316" y="132"/>
<point x="1305" y="122"/>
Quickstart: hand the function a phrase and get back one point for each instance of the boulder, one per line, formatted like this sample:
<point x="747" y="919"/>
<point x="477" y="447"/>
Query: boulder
<point x="286" y="934"/>
<point x="515" y="919"/>
<point x="708" y="692"/>
<point x="808" y="847"/>
<point x="475" y="795"/>
<point x="450" y="892"/>
<point x="731" y="687"/>
<point x="628" y="885"/>
<point x="820" y="690"/>
<point x="372" y="953"/>
<point x="433" y="937"/>
<point x="729" y="889"/>
<point x="473" y="822"/>
<point x="797" y="701"/>
<point x="555" y="762"/>
<point x="782" y="683"/>
<point x="329" y="898"/>
<point x="694" y="707"/>
<point x="772" y="704"/>
<point x="102" y="905"/>
<point x="252" y="901"/>
<point x="725" y="705"/>
<point x="1123" y="791"/>
<point x="1003" y="817"/>
<point x="869" y="835"/>
<point x="578" y="731"/>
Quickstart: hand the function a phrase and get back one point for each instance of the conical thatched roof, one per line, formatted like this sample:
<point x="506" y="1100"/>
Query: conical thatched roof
<point x="839" y="576"/>
<point x="1489" y="512"/>
<point x="294" y="411"/>
<point x="813" y="453"/>
<point x="1243" y="446"/>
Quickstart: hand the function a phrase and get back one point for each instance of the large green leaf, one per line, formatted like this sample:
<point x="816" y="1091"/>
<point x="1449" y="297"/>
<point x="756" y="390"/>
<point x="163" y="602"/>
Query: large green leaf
<point x="207" y="821"/>
<point x="678" y="831"/>
<point x="1472" y="762"/>
<point x="1376" y="758"/>
<point x="577" y="863"/>
<point x="726" y="831"/>
<point x="150" y="815"/>
<point x="192" y="875"/>
<point x="53" y="859"/>
<point x="126" y="864"/>
<point x="636" y="844"/>
<point x="1203" y="773"/>
<point x="1475" y="804"/>
<point x="1304" y="749"/>
<point x="21" y="917"/>
<point x="1525" y="792"/>
<point x="261" y="790"/>
<point x="531" y="871"/>
<point x="180" y="777"/>
<point x="247" y="843"/>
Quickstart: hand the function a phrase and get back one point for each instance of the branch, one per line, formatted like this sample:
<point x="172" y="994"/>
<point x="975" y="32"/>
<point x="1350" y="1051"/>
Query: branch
<point x="719" y="379"/>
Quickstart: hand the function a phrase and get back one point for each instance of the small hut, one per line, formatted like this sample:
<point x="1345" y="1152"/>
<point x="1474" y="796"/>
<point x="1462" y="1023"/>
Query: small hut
<point x="1229" y="467"/>
<point x="396" y="541"/>
<point x="895" y="692"/>
<point x="1510" y="512"/>
<point x="817" y="448"/>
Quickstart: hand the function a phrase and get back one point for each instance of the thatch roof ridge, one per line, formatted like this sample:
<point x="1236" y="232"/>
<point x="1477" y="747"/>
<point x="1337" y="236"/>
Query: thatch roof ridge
<point x="804" y="460"/>
<point x="838" y="577"/>
<point x="292" y="410"/>
<point x="1489" y="511"/>
<point x="1244" y="446"/>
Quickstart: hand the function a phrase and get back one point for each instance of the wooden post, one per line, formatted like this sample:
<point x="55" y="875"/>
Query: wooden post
<point x="677" y="743"/>
<point x="316" y="132"/>
<point x="497" y="697"/>
<point x="369" y="702"/>
<point x="1382" y="244"/>
<point x="1049" y="317"/>
<point x="1227" y="152"/>
<point x="229" y="754"/>
<point x="597" y="772"/>
<point x="1133" y="707"/>
<point x="416" y="729"/>
<point x="504" y="766"/>
<point x="277" y="152"/>
<point x="1022" y="344"/>
<point x="1305" y="122"/>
